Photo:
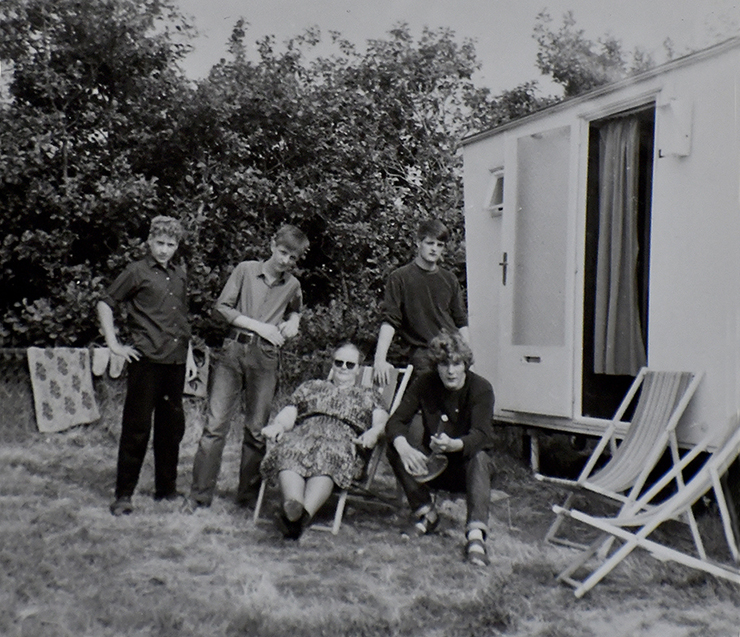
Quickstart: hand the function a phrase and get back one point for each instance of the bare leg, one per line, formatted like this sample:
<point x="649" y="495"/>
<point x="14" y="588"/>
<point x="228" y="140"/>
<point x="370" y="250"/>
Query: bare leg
<point x="301" y="499"/>
<point x="293" y="488"/>
<point x="318" y="490"/>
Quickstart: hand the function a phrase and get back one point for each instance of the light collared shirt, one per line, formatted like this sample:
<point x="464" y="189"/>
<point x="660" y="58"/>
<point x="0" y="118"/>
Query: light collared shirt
<point x="248" y="292"/>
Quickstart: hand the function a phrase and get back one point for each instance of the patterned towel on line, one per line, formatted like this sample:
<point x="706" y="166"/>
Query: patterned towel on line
<point x="62" y="387"/>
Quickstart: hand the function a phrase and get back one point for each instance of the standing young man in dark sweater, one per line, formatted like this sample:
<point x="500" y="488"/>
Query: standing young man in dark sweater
<point x="421" y="299"/>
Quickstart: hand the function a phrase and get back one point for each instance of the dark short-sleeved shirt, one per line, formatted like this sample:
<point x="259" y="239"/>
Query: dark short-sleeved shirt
<point x="156" y="301"/>
<point x="419" y="303"/>
<point x="247" y="292"/>
<point x="468" y="412"/>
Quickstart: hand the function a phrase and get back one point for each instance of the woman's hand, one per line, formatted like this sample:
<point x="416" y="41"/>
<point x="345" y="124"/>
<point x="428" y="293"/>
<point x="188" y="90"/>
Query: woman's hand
<point x="284" y="421"/>
<point x="273" y="432"/>
<point x="368" y="439"/>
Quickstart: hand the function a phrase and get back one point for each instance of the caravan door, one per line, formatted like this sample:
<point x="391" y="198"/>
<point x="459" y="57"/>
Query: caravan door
<point x="535" y="370"/>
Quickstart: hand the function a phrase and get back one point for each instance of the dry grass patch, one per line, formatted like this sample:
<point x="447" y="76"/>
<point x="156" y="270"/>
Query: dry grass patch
<point x="70" y="568"/>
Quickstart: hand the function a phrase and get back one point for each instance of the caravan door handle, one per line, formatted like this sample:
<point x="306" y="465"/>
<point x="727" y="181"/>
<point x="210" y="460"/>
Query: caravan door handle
<point x="504" y="263"/>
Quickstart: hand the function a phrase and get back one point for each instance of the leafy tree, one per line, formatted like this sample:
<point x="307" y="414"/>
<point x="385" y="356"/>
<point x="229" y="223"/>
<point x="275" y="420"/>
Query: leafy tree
<point x="579" y="64"/>
<point x="93" y="87"/>
<point x="512" y="104"/>
<point x="353" y="147"/>
<point x="99" y="130"/>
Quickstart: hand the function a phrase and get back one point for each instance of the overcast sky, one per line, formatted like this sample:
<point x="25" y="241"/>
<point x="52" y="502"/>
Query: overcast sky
<point x="502" y="29"/>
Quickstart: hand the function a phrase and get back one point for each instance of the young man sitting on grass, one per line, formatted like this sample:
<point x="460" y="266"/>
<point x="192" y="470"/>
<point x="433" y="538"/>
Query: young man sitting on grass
<point x="457" y="414"/>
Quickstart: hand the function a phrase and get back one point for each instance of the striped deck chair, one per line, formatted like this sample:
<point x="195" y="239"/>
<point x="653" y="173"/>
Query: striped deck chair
<point x="663" y="399"/>
<point x="392" y="394"/>
<point x="643" y="519"/>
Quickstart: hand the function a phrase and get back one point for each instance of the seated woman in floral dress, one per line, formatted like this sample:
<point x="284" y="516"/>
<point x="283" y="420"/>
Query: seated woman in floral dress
<point x="316" y="437"/>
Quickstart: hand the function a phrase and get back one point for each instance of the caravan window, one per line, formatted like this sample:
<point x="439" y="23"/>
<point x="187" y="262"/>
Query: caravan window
<point x="494" y="203"/>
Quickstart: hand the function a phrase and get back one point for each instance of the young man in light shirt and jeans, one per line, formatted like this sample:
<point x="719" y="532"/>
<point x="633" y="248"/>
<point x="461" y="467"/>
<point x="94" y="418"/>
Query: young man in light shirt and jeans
<point x="262" y="303"/>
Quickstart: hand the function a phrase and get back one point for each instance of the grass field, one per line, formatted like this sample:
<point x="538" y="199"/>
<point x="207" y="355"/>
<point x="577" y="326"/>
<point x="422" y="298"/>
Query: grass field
<point x="70" y="568"/>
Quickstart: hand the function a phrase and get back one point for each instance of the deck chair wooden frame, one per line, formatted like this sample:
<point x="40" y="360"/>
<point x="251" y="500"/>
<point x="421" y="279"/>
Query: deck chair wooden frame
<point x="643" y="520"/>
<point x="392" y="394"/>
<point x="662" y="401"/>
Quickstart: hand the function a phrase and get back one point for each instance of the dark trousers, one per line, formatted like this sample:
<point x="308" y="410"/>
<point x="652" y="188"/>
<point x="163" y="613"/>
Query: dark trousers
<point x="471" y="476"/>
<point x="151" y="388"/>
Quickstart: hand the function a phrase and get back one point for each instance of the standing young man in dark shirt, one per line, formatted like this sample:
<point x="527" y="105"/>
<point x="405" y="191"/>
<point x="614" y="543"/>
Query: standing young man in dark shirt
<point x="421" y="299"/>
<point x="154" y="292"/>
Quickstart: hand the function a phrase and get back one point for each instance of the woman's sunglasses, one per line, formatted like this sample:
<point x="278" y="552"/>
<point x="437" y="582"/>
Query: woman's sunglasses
<point x="348" y="364"/>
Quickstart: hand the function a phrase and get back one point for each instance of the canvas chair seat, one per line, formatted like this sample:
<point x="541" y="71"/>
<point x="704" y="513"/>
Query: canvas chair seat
<point x="663" y="398"/>
<point x="655" y="417"/>
<point x="391" y="395"/>
<point x="643" y="520"/>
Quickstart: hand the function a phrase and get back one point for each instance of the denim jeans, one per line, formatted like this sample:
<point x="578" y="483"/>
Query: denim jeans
<point x="469" y="475"/>
<point x="251" y="369"/>
<point x="151" y="387"/>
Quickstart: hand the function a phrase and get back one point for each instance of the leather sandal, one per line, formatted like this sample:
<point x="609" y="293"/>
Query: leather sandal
<point x="475" y="553"/>
<point x="427" y="522"/>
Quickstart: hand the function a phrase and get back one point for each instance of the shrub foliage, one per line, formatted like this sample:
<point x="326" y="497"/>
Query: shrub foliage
<point x="100" y="130"/>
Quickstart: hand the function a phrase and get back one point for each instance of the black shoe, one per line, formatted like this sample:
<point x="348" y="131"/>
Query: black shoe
<point x="248" y="499"/>
<point x="287" y="528"/>
<point x="191" y="506"/>
<point x="172" y="496"/>
<point x="293" y="510"/>
<point x="292" y="529"/>
<point x="122" y="506"/>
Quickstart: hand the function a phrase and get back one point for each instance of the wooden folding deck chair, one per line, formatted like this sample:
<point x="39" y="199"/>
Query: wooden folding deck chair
<point x="391" y="394"/>
<point x="663" y="399"/>
<point x="643" y="520"/>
